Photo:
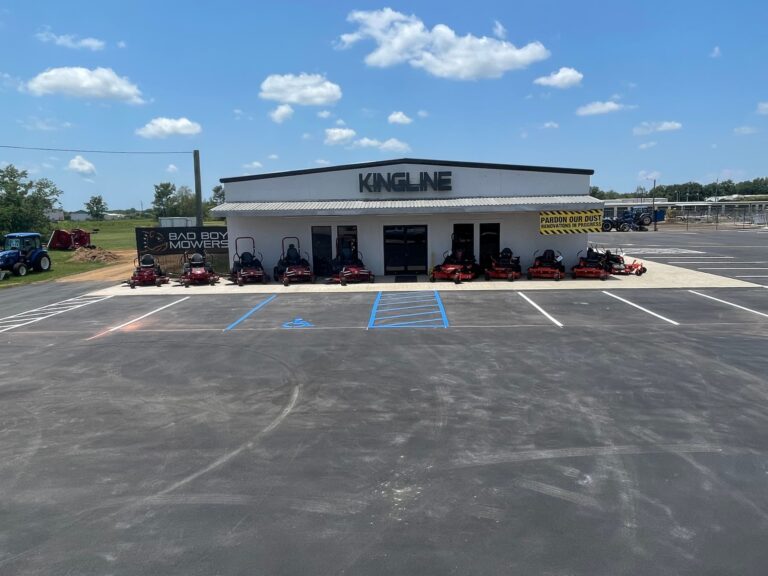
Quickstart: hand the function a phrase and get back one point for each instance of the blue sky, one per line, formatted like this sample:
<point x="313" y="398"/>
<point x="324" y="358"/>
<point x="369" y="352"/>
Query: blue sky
<point x="672" y="90"/>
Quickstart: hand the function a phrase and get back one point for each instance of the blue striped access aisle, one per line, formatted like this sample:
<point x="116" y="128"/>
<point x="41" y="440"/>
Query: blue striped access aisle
<point x="422" y="309"/>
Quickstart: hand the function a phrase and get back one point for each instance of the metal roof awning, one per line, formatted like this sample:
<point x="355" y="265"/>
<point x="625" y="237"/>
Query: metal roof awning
<point x="422" y="206"/>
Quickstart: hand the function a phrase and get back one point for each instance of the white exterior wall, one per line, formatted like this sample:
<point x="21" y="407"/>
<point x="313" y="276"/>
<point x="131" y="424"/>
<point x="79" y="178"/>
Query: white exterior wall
<point x="519" y="231"/>
<point x="466" y="183"/>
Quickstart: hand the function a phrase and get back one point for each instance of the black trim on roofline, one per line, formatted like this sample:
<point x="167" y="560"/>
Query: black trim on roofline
<point x="452" y="163"/>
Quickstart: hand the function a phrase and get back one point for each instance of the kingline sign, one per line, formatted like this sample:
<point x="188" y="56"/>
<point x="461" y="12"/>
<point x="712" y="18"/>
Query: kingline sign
<point x="402" y="182"/>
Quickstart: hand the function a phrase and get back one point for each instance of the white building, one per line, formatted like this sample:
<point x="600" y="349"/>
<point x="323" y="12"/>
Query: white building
<point x="402" y="214"/>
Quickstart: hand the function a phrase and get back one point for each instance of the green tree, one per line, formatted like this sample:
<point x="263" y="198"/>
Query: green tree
<point x="184" y="202"/>
<point x="96" y="207"/>
<point x="218" y="195"/>
<point x="24" y="202"/>
<point x="164" y="198"/>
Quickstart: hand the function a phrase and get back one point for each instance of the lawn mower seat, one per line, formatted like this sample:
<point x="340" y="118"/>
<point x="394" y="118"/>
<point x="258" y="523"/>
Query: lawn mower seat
<point x="197" y="260"/>
<point x="147" y="261"/>
<point x="505" y="257"/>
<point x="247" y="259"/>
<point x="292" y="256"/>
<point x="548" y="256"/>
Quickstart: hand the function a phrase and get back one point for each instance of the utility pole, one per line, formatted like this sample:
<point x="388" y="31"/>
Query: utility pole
<point x="198" y="189"/>
<point x="653" y="204"/>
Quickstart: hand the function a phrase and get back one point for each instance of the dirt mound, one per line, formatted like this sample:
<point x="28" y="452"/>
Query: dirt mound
<point x="94" y="255"/>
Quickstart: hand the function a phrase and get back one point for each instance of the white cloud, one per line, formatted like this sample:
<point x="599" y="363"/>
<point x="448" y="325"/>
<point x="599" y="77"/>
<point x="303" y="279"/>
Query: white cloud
<point x="164" y="127"/>
<point x="237" y="112"/>
<point x="551" y="125"/>
<point x="594" y="108"/>
<point x="399" y="117"/>
<point x="44" y="124"/>
<point x="745" y="130"/>
<point x="562" y="79"/>
<point x="122" y="44"/>
<point x="645" y="128"/>
<point x="400" y="39"/>
<point x="498" y="30"/>
<point x="340" y="122"/>
<point x="81" y="165"/>
<point x="321" y="162"/>
<point x="335" y="136"/>
<point x="282" y="113"/>
<point x="762" y="107"/>
<point x="273" y="156"/>
<point x="391" y="145"/>
<point x="85" y="83"/>
<point x="715" y="52"/>
<point x="646" y="145"/>
<point x="422" y="113"/>
<point x="648" y="175"/>
<point x="304" y="89"/>
<point x="253" y="165"/>
<point x="306" y="136"/>
<point x="172" y="169"/>
<point x="70" y="41"/>
<point x="324" y="114"/>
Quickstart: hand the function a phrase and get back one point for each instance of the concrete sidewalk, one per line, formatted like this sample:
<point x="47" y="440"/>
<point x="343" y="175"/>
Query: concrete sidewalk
<point x="658" y="276"/>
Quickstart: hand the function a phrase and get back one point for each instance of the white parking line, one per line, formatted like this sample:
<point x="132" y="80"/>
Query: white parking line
<point x="750" y="276"/>
<point x="554" y="320"/>
<point x="124" y="324"/>
<point x="732" y="268"/>
<point x="659" y="316"/>
<point x="729" y="303"/>
<point x="37" y="314"/>
<point x="687" y="262"/>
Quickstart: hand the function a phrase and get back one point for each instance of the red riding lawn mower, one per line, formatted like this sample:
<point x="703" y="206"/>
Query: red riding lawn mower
<point x="548" y="265"/>
<point x="505" y="267"/>
<point x="292" y="267"/>
<point x="457" y="266"/>
<point x="617" y="265"/>
<point x="348" y="265"/>
<point x="197" y="270"/>
<point x="246" y="268"/>
<point x="593" y="265"/>
<point x="147" y="273"/>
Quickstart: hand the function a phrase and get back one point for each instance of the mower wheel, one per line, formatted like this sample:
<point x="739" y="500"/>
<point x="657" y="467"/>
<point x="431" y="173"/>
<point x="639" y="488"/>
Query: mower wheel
<point x="529" y="276"/>
<point x="240" y="281"/>
<point x="20" y="269"/>
<point x="371" y="279"/>
<point x="132" y="285"/>
<point x="186" y="284"/>
<point x="158" y="282"/>
<point x="557" y="277"/>
<point x="457" y="279"/>
<point x="624" y="227"/>
<point x="639" y="272"/>
<point x="511" y="278"/>
<point x="286" y="282"/>
<point x="487" y="276"/>
<point x="343" y="281"/>
<point x="432" y="278"/>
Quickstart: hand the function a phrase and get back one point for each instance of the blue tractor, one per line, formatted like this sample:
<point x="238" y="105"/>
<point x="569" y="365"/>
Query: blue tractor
<point x="23" y="251"/>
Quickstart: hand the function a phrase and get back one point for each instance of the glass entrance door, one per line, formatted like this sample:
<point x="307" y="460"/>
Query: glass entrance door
<point x="322" y="250"/>
<point x="489" y="243"/>
<point x="405" y="249"/>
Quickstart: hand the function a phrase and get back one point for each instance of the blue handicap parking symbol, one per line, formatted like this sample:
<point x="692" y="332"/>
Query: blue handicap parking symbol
<point x="298" y="323"/>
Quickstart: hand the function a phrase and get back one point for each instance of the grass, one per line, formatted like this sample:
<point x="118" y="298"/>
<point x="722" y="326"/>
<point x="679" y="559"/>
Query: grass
<point x="61" y="265"/>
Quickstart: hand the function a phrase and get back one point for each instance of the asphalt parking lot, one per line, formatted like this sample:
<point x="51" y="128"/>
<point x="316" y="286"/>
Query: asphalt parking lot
<point x="739" y="254"/>
<point x="552" y="432"/>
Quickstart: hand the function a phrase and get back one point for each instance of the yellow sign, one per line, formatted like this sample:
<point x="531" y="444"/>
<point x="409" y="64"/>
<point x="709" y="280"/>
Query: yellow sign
<point x="570" y="221"/>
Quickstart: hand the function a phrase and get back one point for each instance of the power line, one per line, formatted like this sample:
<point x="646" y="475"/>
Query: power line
<point x="94" y="151"/>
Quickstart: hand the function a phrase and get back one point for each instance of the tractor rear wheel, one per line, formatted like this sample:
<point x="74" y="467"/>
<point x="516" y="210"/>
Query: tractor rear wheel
<point x="43" y="263"/>
<point x="607" y="226"/>
<point x="645" y="220"/>
<point x="624" y="227"/>
<point x="20" y="269"/>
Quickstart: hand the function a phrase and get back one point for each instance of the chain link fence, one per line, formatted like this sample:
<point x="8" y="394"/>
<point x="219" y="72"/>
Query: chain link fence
<point x="724" y="216"/>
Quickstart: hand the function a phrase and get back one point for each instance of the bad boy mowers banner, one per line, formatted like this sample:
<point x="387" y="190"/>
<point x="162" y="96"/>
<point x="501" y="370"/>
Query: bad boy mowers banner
<point x="160" y="241"/>
<point x="570" y="221"/>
